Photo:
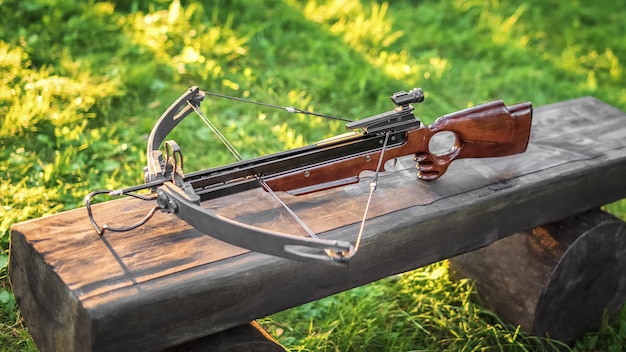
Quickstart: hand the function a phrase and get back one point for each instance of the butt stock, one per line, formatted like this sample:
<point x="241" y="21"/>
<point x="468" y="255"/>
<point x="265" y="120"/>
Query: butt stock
<point x="488" y="130"/>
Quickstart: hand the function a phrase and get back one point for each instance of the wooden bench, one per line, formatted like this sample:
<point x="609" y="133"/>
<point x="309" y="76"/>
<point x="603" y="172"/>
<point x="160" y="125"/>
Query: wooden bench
<point x="165" y="284"/>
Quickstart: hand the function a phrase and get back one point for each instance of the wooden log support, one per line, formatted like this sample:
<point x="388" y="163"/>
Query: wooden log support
<point x="243" y="338"/>
<point x="556" y="280"/>
<point x="165" y="283"/>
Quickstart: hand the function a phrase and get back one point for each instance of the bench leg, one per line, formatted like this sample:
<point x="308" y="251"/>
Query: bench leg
<point x="558" y="279"/>
<point x="244" y="338"/>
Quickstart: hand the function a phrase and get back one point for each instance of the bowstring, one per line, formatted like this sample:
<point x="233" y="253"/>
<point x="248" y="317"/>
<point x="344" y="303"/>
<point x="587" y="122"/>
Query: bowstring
<point x="262" y="182"/>
<point x="290" y="109"/>
<point x="373" y="186"/>
<point x="231" y="148"/>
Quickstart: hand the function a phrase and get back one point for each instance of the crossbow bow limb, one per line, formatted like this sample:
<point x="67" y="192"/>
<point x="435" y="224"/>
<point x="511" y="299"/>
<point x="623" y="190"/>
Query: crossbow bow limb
<point x="488" y="130"/>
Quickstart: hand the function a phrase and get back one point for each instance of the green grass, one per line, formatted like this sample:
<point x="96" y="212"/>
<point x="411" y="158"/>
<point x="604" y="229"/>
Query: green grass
<point x="419" y="311"/>
<point x="81" y="84"/>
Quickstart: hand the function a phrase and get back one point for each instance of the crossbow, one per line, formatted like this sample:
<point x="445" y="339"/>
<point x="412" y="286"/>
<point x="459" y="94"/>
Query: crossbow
<point x="488" y="130"/>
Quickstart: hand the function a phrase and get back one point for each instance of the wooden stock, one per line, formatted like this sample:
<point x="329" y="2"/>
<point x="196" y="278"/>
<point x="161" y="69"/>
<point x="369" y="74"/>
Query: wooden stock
<point x="484" y="131"/>
<point x="488" y="130"/>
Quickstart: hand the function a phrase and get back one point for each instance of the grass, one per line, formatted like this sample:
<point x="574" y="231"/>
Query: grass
<point x="82" y="82"/>
<point x="418" y="311"/>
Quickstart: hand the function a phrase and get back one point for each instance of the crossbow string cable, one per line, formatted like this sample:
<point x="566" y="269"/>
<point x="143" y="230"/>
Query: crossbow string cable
<point x="266" y="187"/>
<point x="263" y="184"/>
<point x="290" y="109"/>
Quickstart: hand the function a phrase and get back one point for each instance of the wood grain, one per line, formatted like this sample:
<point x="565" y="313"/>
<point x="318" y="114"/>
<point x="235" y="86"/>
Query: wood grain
<point x="164" y="283"/>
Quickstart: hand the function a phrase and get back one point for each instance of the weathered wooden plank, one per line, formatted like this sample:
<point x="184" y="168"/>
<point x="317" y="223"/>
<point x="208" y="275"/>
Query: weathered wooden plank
<point x="165" y="283"/>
